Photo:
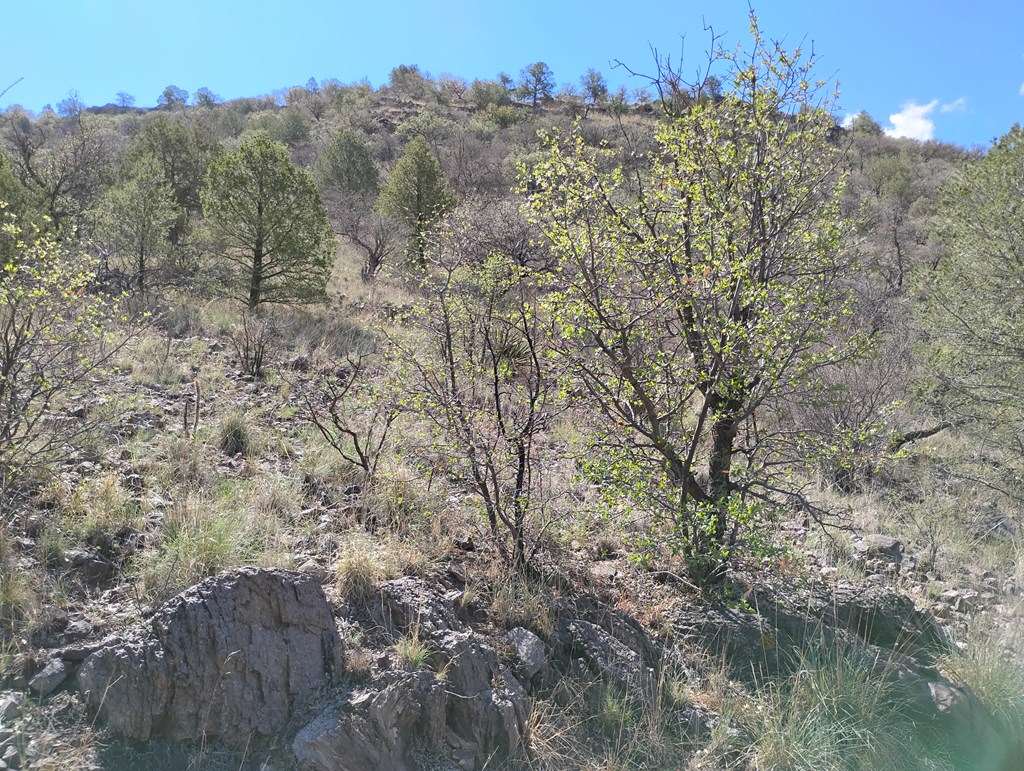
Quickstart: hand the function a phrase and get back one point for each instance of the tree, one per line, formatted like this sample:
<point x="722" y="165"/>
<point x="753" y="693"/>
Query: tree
<point x="65" y="161"/>
<point x="267" y="215"/>
<point x="71" y="106"/>
<point x="484" y="93"/>
<point x="701" y="293"/>
<point x="409" y="81"/>
<point x="595" y="87"/>
<point x="173" y="98"/>
<point x="349" y="183"/>
<point x="55" y="334"/>
<point x="183" y="150"/>
<point x="484" y="381"/>
<point x="417" y="194"/>
<point x="971" y="313"/>
<point x="536" y="83"/>
<point x="124" y="99"/>
<point x="204" y="97"/>
<point x="135" y="217"/>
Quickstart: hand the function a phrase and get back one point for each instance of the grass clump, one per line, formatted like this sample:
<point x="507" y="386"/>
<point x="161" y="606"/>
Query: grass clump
<point x="200" y="537"/>
<point x="834" y="712"/>
<point x="413" y="652"/>
<point x="234" y="435"/>
<point x="987" y="667"/>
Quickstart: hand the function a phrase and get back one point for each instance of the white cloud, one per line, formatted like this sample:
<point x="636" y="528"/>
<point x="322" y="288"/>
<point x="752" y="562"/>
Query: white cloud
<point x="913" y="121"/>
<point x="1022" y="89"/>
<point x="958" y="106"/>
<point x="852" y="116"/>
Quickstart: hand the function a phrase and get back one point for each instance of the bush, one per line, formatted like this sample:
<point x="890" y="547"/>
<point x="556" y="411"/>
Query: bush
<point x="55" y="333"/>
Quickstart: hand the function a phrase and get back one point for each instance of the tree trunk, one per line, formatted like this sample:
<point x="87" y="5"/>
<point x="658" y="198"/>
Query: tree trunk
<point x="256" y="279"/>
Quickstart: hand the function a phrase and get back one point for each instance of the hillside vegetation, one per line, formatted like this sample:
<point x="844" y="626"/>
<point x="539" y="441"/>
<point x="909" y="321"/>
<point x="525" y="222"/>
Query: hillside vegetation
<point x="645" y="353"/>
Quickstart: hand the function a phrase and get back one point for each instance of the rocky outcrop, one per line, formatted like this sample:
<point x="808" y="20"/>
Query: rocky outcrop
<point x="466" y="704"/>
<point x="229" y="659"/>
<point x="376" y="728"/>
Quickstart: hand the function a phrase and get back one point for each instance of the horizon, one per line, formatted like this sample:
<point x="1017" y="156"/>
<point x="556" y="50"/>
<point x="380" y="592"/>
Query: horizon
<point x="914" y="69"/>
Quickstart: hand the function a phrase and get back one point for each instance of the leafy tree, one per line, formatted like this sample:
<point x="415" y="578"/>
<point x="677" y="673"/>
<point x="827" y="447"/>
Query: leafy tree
<point x="124" y="99"/>
<point x="409" y="81"/>
<point x="66" y="162"/>
<point x="183" y="150"/>
<point x="135" y="217"/>
<point x="536" y="83"/>
<point x="417" y="194"/>
<point x="702" y="293"/>
<point x="349" y="183"/>
<point x="173" y="98"/>
<point x="595" y="87"/>
<point x="204" y="97"/>
<point x="483" y="93"/>
<point x="975" y="343"/>
<point x="55" y="335"/>
<point x="21" y="200"/>
<point x="267" y="215"/>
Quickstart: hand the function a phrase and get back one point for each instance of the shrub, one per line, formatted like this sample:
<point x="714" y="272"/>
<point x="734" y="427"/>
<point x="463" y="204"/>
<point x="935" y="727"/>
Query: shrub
<point x="56" y="333"/>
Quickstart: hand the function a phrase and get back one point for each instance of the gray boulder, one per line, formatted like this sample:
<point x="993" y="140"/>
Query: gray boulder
<point x="530" y="651"/>
<point x="376" y="728"/>
<point x="232" y="658"/>
<point x="879" y="547"/>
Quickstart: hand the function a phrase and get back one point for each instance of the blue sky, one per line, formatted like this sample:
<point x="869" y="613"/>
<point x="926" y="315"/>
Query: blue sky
<point x="943" y="69"/>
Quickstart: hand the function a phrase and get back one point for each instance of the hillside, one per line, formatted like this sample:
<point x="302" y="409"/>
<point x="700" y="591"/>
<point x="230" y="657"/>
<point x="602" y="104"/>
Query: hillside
<point x="467" y="425"/>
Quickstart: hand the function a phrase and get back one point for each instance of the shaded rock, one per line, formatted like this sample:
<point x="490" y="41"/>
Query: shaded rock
<point x="11" y="706"/>
<point x="611" y="657"/>
<point x="882" y="617"/>
<point x="879" y="547"/>
<point x="488" y="708"/>
<point x="49" y="678"/>
<point x="529" y="651"/>
<point x="77" y="630"/>
<point x="776" y="642"/>
<point x="230" y="659"/>
<point x="375" y="729"/>
<point x="93" y="568"/>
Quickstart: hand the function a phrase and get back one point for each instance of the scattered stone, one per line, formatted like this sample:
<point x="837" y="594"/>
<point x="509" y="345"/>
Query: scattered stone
<point x="961" y="600"/>
<point x="879" y="547"/>
<point x="79" y="651"/>
<point x="92" y="568"/>
<point x="529" y="651"/>
<point x="11" y="757"/>
<point x="11" y="706"/>
<point x="249" y="646"/>
<point x="50" y="677"/>
<point x="77" y="630"/>
<point x="315" y="569"/>
<point x="605" y="571"/>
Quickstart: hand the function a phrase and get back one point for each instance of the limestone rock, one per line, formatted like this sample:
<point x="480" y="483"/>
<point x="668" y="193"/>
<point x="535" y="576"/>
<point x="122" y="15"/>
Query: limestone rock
<point x="231" y="658"/>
